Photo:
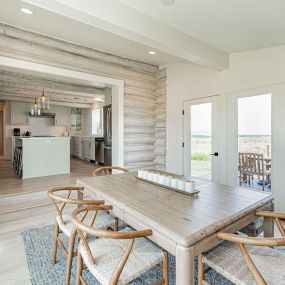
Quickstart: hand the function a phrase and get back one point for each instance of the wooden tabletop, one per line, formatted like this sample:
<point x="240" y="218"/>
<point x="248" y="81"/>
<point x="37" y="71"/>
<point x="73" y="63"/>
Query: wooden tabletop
<point x="183" y="219"/>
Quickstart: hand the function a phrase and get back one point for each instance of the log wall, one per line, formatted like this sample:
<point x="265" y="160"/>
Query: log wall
<point x="160" y="120"/>
<point x="144" y="100"/>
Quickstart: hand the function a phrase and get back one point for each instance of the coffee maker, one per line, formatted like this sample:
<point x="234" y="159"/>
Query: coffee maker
<point x="17" y="132"/>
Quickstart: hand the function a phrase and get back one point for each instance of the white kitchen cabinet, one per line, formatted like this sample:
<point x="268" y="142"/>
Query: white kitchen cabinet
<point x="19" y="113"/>
<point x="92" y="150"/>
<point x="62" y="115"/>
<point x="83" y="148"/>
<point x="45" y="156"/>
<point x="76" y="147"/>
<point x="87" y="148"/>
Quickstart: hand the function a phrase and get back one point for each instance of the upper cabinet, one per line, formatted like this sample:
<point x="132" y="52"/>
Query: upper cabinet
<point x="62" y="115"/>
<point x="76" y="119"/>
<point x="19" y="112"/>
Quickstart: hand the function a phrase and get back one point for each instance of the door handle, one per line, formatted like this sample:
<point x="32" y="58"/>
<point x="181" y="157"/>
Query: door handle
<point x="215" y="154"/>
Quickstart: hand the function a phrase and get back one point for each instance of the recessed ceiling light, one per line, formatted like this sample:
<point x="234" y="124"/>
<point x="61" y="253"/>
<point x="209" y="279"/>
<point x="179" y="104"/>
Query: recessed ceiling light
<point x="152" y="52"/>
<point x="27" y="11"/>
<point x="167" y="2"/>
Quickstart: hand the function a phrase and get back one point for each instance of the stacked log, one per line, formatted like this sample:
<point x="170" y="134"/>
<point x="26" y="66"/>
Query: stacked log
<point x="160" y="120"/>
<point x="144" y="102"/>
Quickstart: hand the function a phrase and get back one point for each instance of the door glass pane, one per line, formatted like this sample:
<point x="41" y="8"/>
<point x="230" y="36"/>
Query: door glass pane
<point x="201" y="141"/>
<point x="254" y="142"/>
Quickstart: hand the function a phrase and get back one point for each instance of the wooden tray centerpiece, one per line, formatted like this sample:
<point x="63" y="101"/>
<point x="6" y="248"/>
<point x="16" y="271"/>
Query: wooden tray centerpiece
<point x="167" y="180"/>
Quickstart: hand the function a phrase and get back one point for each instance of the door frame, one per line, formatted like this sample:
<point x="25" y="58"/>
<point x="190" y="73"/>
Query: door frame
<point x="214" y="100"/>
<point x="116" y="85"/>
<point x="232" y="129"/>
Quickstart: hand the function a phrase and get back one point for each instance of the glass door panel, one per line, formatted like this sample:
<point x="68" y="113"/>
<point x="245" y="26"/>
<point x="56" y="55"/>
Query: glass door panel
<point x="201" y="154"/>
<point x="254" y="142"/>
<point x="201" y="140"/>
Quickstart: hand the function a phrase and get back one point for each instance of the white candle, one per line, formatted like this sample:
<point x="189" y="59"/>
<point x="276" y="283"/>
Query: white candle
<point x="150" y="176"/>
<point x="140" y="173"/>
<point x="167" y="181"/>
<point x="161" y="179"/>
<point x="189" y="186"/>
<point x="155" y="177"/>
<point x="173" y="183"/>
<point x="181" y="185"/>
<point x="144" y="174"/>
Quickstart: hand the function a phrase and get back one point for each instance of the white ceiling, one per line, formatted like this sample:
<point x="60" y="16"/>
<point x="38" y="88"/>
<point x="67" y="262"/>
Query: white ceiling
<point x="62" y="27"/>
<point x="229" y="25"/>
<point x="199" y="31"/>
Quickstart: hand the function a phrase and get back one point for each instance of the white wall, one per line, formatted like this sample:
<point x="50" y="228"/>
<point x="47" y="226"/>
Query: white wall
<point x="253" y="71"/>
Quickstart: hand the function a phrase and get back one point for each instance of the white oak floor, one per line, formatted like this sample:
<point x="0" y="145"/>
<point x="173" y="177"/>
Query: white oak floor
<point x="24" y="205"/>
<point x="11" y="184"/>
<point x="13" y="264"/>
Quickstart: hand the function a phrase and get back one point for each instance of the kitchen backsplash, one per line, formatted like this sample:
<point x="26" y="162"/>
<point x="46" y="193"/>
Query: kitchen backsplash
<point x="44" y="126"/>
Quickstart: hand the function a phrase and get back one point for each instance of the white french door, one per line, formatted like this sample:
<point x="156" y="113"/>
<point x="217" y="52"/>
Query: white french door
<point x="201" y="139"/>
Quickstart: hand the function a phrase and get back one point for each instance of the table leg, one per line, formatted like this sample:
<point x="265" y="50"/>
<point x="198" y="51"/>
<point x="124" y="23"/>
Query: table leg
<point x="185" y="265"/>
<point x="269" y="224"/>
<point x="79" y="197"/>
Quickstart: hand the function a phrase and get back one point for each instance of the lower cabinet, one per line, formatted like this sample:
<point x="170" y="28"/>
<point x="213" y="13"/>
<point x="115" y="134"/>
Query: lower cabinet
<point x="83" y="148"/>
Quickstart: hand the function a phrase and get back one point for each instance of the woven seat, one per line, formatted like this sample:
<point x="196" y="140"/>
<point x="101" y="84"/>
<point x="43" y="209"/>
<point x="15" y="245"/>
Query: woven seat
<point x="107" y="254"/>
<point x="103" y="221"/>
<point x="227" y="260"/>
<point x="116" y="258"/>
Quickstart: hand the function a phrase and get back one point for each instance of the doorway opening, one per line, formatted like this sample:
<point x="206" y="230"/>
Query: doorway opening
<point x="1" y="130"/>
<point x="254" y="142"/>
<point x="201" y="157"/>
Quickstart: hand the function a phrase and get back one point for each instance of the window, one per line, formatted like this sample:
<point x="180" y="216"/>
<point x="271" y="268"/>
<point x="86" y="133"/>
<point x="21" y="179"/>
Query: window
<point x="97" y="122"/>
<point x="254" y="142"/>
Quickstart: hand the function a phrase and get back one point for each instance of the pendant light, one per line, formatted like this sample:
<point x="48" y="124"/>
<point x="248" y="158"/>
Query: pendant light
<point x="44" y="101"/>
<point x="34" y="107"/>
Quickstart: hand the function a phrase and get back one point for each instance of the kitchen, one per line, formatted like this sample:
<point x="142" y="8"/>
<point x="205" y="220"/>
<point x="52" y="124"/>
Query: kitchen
<point x="47" y="129"/>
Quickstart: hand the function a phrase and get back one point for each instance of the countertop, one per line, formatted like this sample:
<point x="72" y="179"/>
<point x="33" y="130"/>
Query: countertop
<point x="40" y="138"/>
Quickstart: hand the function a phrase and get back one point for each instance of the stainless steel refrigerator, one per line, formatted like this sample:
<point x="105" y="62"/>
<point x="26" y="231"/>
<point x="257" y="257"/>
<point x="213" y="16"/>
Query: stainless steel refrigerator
<point x="107" y="125"/>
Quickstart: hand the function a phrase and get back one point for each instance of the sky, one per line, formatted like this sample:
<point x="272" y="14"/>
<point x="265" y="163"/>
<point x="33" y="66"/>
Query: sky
<point x="254" y="116"/>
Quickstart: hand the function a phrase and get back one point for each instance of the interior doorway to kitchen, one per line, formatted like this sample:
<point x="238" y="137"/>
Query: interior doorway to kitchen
<point x="20" y="112"/>
<point x="254" y="142"/>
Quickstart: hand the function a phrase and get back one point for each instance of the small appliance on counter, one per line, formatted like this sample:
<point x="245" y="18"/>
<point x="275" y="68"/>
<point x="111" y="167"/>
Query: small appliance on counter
<point x="27" y="134"/>
<point x="17" y="132"/>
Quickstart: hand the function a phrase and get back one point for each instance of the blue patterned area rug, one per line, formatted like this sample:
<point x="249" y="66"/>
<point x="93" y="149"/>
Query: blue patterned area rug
<point x="38" y="248"/>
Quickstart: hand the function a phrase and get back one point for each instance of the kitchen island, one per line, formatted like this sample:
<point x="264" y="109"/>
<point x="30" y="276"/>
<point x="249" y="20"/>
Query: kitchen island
<point x="44" y="156"/>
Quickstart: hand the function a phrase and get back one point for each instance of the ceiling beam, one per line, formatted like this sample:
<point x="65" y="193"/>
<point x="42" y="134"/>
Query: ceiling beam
<point x="128" y="23"/>
<point x="40" y="83"/>
<point x="15" y="97"/>
<point x="57" y="95"/>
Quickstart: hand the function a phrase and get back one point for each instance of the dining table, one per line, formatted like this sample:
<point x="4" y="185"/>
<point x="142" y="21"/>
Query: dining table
<point x="183" y="225"/>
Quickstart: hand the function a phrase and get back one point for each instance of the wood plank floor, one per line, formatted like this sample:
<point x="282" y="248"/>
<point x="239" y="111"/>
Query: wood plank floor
<point x="11" y="184"/>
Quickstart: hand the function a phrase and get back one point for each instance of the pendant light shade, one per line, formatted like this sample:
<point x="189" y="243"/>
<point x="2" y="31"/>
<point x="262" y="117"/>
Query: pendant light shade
<point x="44" y="101"/>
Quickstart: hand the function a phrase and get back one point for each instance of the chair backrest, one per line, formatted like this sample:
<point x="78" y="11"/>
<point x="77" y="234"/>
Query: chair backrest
<point x="60" y="196"/>
<point x="251" y="163"/>
<point x="107" y="170"/>
<point x="85" y="230"/>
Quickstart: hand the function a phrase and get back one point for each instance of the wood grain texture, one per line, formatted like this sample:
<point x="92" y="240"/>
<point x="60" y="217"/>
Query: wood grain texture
<point x="145" y="87"/>
<point x="160" y="124"/>
<point x="180" y="224"/>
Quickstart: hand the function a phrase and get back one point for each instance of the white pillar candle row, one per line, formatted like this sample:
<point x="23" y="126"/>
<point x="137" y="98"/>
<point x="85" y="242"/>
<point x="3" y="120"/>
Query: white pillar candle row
<point x="169" y="181"/>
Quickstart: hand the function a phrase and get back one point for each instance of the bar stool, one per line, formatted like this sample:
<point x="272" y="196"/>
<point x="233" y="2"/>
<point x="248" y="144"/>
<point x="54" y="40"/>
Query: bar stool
<point x="17" y="161"/>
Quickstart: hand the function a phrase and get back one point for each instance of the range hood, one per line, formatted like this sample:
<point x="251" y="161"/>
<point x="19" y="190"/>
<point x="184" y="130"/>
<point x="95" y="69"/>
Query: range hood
<point x="43" y="115"/>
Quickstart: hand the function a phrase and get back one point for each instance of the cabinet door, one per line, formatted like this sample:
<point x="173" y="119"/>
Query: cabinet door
<point x="88" y="150"/>
<point x="92" y="150"/>
<point x="19" y="112"/>
<point x="62" y="115"/>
